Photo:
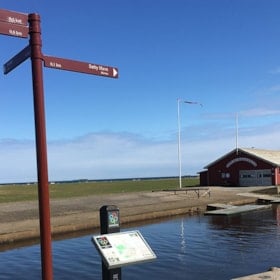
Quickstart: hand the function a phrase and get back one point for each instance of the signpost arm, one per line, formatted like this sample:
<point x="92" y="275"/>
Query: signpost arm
<point x="41" y="146"/>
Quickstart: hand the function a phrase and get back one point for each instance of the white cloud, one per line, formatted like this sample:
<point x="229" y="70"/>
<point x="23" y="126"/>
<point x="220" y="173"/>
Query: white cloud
<point x="112" y="155"/>
<point x="267" y="95"/>
<point x="258" y="112"/>
<point x="124" y="155"/>
<point x="275" y="71"/>
<point x="18" y="160"/>
<point x="273" y="89"/>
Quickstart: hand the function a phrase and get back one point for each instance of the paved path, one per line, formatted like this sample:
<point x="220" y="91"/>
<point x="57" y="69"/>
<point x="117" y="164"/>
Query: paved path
<point x="273" y="274"/>
<point x="20" y="222"/>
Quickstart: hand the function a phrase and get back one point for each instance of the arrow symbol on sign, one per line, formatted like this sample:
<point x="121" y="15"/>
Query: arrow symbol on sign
<point x="115" y="72"/>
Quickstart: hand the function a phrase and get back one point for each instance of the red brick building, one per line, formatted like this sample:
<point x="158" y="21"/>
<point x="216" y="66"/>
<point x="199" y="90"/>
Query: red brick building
<point x="243" y="167"/>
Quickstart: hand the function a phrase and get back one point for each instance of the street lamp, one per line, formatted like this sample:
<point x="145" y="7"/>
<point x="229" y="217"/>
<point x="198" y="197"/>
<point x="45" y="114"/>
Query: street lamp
<point x="179" y="135"/>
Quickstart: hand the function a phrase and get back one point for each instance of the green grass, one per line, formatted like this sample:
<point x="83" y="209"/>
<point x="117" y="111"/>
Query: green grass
<point x="13" y="193"/>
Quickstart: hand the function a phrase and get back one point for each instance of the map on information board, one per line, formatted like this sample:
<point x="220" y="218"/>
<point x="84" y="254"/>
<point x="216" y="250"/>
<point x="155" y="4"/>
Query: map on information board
<point x="123" y="248"/>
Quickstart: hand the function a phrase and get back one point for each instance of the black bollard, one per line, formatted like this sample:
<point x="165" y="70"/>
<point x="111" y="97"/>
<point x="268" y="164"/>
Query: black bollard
<point x="110" y="223"/>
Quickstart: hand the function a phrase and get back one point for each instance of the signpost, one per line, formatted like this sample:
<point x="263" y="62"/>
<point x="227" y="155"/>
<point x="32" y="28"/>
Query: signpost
<point x="17" y="59"/>
<point x="14" y="17"/>
<point x="110" y="223"/>
<point x="16" y="24"/>
<point x="13" y="24"/>
<point x="79" y="66"/>
<point x="13" y="30"/>
<point x="41" y="146"/>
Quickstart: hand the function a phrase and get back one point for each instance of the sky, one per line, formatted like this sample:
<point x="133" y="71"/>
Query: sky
<point x="223" y="54"/>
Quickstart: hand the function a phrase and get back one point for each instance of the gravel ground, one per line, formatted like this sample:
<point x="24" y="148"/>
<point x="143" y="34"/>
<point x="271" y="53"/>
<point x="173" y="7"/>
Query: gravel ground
<point x="20" y="220"/>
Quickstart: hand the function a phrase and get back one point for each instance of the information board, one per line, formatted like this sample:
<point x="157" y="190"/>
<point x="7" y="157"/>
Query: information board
<point x="123" y="248"/>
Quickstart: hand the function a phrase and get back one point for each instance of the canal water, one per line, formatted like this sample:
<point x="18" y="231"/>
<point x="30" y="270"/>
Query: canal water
<point x="195" y="248"/>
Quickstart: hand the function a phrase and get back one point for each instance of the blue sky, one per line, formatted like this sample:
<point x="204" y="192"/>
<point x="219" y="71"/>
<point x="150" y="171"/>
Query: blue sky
<point x="221" y="53"/>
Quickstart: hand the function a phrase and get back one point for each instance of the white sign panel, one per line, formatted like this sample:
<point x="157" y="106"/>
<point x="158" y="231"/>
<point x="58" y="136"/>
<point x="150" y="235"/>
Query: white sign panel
<point x="123" y="248"/>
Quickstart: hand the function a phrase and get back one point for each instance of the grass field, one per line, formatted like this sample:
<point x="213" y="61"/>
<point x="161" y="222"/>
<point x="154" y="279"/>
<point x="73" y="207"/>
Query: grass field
<point x="13" y="193"/>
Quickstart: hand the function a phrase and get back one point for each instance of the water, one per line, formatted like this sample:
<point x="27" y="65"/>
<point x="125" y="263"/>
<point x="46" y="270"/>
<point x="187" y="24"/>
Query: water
<point x="196" y="248"/>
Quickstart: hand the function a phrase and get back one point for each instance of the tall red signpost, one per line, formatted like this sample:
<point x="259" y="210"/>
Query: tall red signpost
<point x="41" y="145"/>
<point x="16" y="24"/>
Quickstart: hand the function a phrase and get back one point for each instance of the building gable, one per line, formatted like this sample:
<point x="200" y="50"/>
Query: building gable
<point x="243" y="166"/>
<point x="271" y="157"/>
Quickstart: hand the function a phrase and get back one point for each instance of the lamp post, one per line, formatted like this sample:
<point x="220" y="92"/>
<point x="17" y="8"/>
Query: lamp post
<point x="179" y="135"/>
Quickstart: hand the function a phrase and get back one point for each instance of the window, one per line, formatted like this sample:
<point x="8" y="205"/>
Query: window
<point x="247" y="176"/>
<point x="225" y="175"/>
<point x="266" y="175"/>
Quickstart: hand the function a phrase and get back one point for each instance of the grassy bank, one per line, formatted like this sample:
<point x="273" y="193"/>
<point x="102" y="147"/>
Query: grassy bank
<point x="13" y="193"/>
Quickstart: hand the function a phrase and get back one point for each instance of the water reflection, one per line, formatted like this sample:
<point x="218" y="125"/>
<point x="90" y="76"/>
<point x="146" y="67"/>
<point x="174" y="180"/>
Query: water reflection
<point x="276" y="211"/>
<point x="182" y="235"/>
<point x="199" y="247"/>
